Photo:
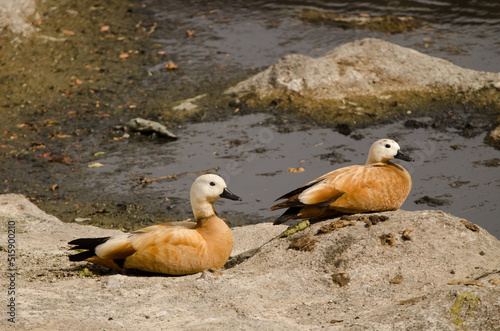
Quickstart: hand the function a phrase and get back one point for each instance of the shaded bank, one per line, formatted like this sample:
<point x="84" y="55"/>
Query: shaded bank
<point x="66" y="85"/>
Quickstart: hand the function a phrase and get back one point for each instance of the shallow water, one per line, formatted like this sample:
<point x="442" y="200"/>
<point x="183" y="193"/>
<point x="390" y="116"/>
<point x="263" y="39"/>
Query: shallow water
<point x="244" y="35"/>
<point x="254" y="156"/>
<point x="253" y="153"/>
<point x="248" y="34"/>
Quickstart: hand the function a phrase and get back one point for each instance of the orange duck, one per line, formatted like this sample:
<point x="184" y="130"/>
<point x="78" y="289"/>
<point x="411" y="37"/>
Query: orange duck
<point x="176" y="248"/>
<point x="377" y="185"/>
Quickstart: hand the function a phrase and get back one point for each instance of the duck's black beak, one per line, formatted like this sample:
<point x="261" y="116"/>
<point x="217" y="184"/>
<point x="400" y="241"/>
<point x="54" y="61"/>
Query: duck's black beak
<point x="229" y="195"/>
<point x="403" y="157"/>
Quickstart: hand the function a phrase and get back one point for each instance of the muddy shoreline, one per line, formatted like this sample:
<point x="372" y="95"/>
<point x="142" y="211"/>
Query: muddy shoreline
<point x="86" y="72"/>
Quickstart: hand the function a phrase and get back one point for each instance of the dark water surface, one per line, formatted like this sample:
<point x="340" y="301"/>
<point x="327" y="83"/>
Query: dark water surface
<point x="258" y="33"/>
<point x="253" y="154"/>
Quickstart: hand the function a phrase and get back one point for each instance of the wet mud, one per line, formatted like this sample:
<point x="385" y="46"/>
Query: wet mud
<point x="93" y="65"/>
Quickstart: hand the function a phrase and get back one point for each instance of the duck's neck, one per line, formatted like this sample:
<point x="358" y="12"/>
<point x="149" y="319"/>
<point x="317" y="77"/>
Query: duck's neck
<point x="372" y="160"/>
<point x="215" y="232"/>
<point x="202" y="209"/>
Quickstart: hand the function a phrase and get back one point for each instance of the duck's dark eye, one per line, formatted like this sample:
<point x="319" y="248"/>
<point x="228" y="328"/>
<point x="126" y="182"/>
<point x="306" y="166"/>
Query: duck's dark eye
<point x="212" y="184"/>
<point x="387" y="146"/>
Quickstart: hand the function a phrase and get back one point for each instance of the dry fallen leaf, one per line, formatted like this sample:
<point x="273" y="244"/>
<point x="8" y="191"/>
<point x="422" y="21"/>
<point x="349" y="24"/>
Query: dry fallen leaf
<point x="190" y="33"/>
<point x="95" y="165"/>
<point x="82" y="219"/>
<point x="295" y="170"/>
<point x="68" y="32"/>
<point x="60" y="159"/>
<point x="124" y="55"/>
<point x="60" y="135"/>
<point x="54" y="187"/>
<point x="104" y="28"/>
<point x="171" y="66"/>
<point x="88" y="66"/>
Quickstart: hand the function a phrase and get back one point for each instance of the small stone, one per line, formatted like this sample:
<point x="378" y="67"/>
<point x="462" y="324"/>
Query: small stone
<point x="388" y="239"/>
<point x="149" y="127"/>
<point x="406" y="234"/>
<point x="412" y="300"/>
<point x="494" y="281"/>
<point x="303" y="244"/>
<point x="396" y="280"/>
<point x="341" y="279"/>
<point x="454" y="282"/>
<point x="335" y="225"/>
<point x="433" y="202"/>
<point x="470" y="226"/>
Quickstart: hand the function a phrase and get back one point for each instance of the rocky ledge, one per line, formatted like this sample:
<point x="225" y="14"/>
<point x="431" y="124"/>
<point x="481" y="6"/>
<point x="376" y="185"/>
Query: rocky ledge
<point x="383" y="271"/>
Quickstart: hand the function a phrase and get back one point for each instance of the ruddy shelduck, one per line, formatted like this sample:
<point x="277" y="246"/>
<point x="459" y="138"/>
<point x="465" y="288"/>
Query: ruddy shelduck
<point x="377" y="185"/>
<point x="176" y="248"/>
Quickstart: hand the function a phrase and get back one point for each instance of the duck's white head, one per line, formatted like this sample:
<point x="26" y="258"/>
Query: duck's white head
<point x="205" y="190"/>
<point x="384" y="150"/>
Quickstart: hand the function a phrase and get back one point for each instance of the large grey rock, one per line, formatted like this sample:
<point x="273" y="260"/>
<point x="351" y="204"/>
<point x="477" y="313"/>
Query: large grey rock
<point x="388" y="283"/>
<point x="369" y="67"/>
<point x="14" y="15"/>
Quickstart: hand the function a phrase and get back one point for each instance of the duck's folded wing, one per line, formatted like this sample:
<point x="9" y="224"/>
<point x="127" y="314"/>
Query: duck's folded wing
<point x="169" y="250"/>
<point x="335" y="188"/>
<point x="115" y="248"/>
<point x="365" y="189"/>
<point x="320" y="195"/>
<point x="320" y="192"/>
<point x="126" y="244"/>
<point x="167" y="234"/>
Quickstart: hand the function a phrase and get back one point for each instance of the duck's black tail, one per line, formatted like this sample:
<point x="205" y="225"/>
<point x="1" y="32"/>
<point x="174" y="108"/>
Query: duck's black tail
<point x="85" y="243"/>
<point x="289" y="214"/>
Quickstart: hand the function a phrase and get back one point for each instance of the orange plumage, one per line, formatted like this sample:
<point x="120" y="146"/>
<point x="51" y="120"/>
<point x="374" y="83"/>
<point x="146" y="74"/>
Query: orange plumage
<point x="175" y="248"/>
<point x="378" y="185"/>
